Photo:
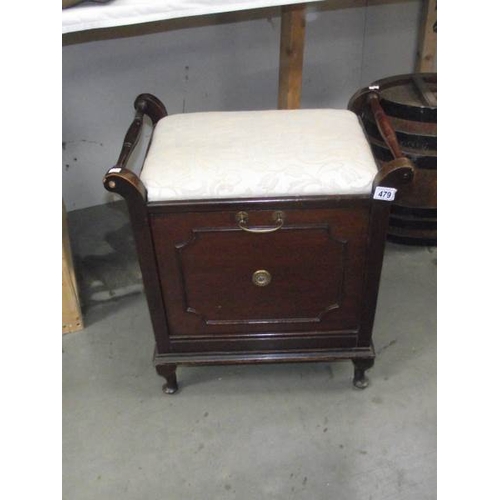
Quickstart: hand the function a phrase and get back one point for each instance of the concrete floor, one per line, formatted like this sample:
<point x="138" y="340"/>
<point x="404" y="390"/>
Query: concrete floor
<point x="296" y="431"/>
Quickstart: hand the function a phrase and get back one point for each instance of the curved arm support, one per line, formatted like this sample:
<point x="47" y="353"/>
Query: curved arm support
<point x="399" y="171"/>
<point x="394" y="173"/>
<point x="125" y="183"/>
<point x="358" y="100"/>
<point x="144" y="104"/>
<point x="119" y="179"/>
<point x="150" y="105"/>
<point x="384" y="125"/>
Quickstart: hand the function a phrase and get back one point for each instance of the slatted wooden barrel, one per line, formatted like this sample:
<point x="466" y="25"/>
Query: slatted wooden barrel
<point x="410" y="102"/>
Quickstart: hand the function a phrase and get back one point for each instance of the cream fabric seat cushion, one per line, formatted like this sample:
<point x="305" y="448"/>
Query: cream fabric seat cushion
<point x="246" y="154"/>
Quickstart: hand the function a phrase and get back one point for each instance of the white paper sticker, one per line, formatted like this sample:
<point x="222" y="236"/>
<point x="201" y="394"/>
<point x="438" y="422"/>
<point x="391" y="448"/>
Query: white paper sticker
<point x="114" y="170"/>
<point x="384" y="193"/>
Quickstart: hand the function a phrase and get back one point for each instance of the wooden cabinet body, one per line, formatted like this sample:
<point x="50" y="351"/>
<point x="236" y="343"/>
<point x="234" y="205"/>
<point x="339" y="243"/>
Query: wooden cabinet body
<point x="314" y="264"/>
<point x="318" y="299"/>
<point x="257" y="280"/>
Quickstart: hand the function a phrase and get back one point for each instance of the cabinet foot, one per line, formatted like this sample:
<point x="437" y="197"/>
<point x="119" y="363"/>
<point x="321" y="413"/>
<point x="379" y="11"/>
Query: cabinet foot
<point x="168" y="373"/>
<point x="360" y="381"/>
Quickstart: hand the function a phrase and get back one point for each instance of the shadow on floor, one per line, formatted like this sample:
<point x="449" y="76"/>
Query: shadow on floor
<point x="104" y="254"/>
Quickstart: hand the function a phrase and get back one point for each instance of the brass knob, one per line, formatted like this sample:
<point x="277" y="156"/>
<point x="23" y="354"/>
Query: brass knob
<point x="261" y="277"/>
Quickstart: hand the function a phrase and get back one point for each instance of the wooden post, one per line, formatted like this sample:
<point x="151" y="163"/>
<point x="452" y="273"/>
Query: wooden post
<point x="71" y="312"/>
<point x="427" y="48"/>
<point x="293" y="26"/>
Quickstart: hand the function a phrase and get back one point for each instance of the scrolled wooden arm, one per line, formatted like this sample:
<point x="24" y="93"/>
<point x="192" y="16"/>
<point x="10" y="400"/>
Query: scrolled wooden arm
<point x="394" y="173"/>
<point x="144" y="104"/>
<point x="370" y="96"/>
<point x="125" y="183"/>
<point x="384" y="125"/>
<point x="152" y="106"/>
<point x="399" y="171"/>
<point x="119" y="179"/>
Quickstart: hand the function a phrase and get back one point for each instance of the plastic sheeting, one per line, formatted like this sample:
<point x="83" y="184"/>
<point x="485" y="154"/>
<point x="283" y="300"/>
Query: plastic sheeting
<point x="125" y="12"/>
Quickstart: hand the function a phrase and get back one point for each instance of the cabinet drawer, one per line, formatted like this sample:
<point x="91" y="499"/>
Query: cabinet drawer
<point x="302" y="274"/>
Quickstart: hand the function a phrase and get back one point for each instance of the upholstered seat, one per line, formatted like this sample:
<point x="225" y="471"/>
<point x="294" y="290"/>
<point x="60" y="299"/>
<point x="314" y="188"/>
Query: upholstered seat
<point x="247" y="154"/>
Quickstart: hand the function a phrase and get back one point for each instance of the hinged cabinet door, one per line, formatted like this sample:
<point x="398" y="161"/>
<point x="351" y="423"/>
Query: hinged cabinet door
<point x="224" y="275"/>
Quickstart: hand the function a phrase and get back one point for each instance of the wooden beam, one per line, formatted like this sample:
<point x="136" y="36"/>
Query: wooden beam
<point x="293" y="27"/>
<point x="427" y="48"/>
<point x="71" y="311"/>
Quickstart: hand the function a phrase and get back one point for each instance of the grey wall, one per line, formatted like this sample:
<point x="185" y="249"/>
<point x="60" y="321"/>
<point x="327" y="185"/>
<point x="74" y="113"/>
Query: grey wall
<point x="224" y="62"/>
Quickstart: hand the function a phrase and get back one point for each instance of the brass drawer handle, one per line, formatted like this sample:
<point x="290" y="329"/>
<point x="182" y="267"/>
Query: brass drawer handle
<point x="242" y="220"/>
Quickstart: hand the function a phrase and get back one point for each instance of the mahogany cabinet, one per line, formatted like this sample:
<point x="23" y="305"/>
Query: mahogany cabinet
<point x="260" y="279"/>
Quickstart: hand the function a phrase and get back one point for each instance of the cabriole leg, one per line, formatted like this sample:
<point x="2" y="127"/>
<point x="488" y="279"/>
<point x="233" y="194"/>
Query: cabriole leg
<point x="360" y="366"/>
<point x="168" y="372"/>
